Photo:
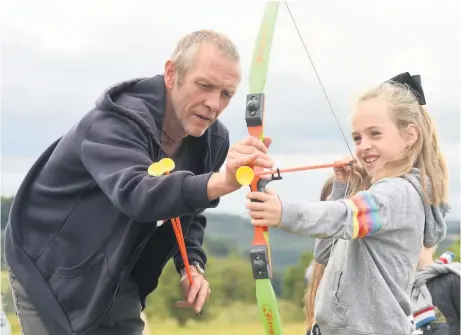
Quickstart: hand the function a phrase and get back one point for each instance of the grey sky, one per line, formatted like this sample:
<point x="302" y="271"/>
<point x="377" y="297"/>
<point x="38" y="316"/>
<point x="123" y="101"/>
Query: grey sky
<point x="59" y="56"/>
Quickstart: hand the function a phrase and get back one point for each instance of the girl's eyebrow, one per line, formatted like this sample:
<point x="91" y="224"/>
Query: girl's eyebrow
<point x="367" y="129"/>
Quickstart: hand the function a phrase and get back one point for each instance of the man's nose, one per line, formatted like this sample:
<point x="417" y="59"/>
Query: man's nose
<point x="213" y="101"/>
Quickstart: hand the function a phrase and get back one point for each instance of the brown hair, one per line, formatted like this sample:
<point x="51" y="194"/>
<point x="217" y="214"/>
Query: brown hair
<point x="425" y="153"/>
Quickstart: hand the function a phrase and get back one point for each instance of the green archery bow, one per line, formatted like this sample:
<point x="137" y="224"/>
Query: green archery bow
<point x="254" y="116"/>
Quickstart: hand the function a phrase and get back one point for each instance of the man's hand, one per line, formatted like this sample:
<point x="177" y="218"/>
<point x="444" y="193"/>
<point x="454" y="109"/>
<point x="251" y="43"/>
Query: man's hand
<point x="195" y="295"/>
<point x="250" y="151"/>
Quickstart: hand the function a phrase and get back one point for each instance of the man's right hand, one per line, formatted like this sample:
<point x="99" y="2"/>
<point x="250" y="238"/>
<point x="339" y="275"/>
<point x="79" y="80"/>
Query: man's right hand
<point x="249" y="151"/>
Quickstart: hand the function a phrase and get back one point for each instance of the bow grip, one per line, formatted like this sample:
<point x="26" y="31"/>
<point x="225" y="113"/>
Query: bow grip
<point x="262" y="183"/>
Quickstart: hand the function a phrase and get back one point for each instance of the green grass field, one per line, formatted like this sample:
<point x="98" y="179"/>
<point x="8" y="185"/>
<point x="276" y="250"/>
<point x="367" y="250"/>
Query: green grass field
<point x="213" y="328"/>
<point x="204" y="328"/>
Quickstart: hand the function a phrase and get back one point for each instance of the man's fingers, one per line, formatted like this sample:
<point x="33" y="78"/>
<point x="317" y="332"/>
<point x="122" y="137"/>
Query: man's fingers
<point x="253" y="141"/>
<point x="267" y="141"/>
<point x="264" y="162"/>
<point x="253" y="159"/>
<point x="183" y="304"/>
<point x="193" y="291"/>
<point x="201" y="297"/>
<point x="244" y="149"/>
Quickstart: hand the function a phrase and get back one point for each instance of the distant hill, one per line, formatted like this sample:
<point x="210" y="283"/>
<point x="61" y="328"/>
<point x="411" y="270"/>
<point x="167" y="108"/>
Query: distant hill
<point x="285" y="248"/>
<point x="229" y="230"/>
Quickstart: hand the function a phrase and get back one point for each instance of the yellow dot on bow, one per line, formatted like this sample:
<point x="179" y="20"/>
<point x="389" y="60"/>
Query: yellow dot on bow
<point x="245" y="175"/>
<point x="156" y="169"/>
<point x="168" y="164"/>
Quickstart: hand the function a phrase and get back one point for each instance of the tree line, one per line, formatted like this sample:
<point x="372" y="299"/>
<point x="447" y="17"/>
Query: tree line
<point x="229" y="274"/>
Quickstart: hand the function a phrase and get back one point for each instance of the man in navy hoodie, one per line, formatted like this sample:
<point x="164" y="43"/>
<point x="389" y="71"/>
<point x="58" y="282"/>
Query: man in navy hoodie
<point x="82" y="243"/>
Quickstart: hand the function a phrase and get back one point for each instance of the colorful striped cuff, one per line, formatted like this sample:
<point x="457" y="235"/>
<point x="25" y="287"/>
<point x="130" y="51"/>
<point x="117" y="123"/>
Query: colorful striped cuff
<point x="425" y="316"/>
<point x="365" y="214"/>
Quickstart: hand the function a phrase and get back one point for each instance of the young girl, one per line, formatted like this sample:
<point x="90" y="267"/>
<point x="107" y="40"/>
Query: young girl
<point x="379" y="230"/>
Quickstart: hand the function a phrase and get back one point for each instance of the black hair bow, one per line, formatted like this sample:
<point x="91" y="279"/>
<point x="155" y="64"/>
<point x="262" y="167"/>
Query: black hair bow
<point x="414" y="83"/>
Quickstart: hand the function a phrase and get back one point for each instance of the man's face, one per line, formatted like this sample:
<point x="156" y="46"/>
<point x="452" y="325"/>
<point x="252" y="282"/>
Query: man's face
<point x="205" y="90"/>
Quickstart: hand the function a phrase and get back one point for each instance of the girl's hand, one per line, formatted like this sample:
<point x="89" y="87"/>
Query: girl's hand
<point x="343" y="173"/>
<point x="268" y="212"/>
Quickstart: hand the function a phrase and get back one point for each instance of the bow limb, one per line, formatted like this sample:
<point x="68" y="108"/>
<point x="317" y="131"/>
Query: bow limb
<point x="254" y="117"/>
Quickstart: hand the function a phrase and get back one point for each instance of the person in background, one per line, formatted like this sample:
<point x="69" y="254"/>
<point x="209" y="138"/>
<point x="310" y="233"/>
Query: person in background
<point x="437" y="283"/>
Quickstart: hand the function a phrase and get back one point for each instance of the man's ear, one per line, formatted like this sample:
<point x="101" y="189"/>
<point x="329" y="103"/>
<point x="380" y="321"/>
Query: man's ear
<point x="411" y="134"/>
<point x="170" y="74"/>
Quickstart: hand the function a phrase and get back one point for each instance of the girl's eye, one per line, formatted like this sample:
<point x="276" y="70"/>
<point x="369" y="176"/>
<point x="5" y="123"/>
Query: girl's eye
<point x="375" y="133"/>
<point x="356" y="138"/>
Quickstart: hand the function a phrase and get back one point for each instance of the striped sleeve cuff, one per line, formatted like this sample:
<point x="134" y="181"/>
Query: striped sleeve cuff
<point x="366" y="219"/>
<point x="424" y="316"/>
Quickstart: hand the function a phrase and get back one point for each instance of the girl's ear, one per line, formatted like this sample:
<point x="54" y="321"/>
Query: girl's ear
<point x="411" y="133"/>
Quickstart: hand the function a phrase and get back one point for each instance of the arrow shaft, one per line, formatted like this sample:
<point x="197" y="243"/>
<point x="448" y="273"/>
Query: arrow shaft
<point x="299" y="168"/>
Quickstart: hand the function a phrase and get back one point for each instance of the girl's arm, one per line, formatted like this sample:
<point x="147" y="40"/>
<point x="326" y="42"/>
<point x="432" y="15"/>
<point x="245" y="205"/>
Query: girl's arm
<point x="361" y="215"/>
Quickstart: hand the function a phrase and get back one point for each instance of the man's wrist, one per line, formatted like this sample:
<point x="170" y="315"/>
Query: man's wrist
<point x="219" y="185"/>
<point x="195" y="267"/>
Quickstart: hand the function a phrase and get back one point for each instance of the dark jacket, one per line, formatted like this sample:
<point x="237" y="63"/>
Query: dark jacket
<point x="445" y="294"/>
<point x="85" y="215"/>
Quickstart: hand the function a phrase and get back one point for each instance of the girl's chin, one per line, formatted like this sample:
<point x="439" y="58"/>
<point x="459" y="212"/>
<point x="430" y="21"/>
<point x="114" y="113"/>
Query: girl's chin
<point x="370" y="171"/>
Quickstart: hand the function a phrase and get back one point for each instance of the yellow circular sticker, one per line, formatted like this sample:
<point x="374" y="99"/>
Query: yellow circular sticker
<point x="168" y="164"/>
<point x="156" y="169"/>
<point x="245" y="175"/>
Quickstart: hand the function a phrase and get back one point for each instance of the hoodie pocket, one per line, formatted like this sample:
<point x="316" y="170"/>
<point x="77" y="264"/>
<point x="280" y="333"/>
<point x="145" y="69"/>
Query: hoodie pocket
<point x="338" y="307"/>
<point x="79" y="288"/>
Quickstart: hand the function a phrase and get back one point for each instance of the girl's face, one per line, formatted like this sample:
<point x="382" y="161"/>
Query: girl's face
<point x="376" y="136"/>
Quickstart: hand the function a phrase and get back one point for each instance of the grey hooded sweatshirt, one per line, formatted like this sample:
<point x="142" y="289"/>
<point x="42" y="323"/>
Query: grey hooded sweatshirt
<point x="371" y="268"/>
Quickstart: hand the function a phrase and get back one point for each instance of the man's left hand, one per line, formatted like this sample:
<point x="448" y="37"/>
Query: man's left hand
<point x="196" y="295"/>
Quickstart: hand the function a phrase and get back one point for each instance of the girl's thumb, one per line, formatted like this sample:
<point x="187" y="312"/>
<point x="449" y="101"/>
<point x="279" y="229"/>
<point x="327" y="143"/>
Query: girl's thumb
<point x="269" y="191"/>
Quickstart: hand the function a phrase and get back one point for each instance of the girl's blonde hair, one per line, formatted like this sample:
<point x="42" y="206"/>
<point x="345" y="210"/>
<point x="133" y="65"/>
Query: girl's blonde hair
<point x="425" y="153"/>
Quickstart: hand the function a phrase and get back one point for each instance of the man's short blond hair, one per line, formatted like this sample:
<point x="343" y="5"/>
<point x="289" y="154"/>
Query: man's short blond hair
<point x="187" y="47"/>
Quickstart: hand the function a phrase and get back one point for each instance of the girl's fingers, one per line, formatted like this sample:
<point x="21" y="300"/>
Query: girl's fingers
<point x="259" y="214"/>
<point x="255" y="206"/>
<point x="259" y="222"/>
<point x="261" y="196"/>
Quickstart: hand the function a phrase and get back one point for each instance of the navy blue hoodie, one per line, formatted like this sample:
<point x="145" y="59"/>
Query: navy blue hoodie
<point x="85" y="215"/>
